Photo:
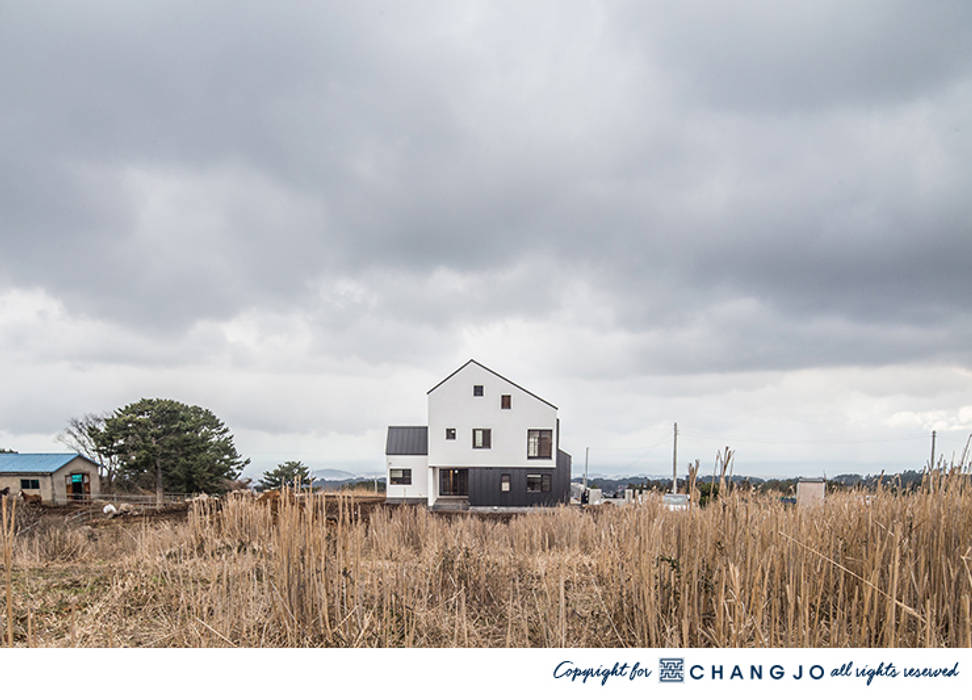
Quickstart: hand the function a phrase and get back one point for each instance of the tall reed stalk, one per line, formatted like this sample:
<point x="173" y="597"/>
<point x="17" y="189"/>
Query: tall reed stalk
<point x="7" y="522"/>
<point x="891" y="570"/>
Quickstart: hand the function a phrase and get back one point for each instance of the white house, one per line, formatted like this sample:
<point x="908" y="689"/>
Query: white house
<point x="488" y="442"/>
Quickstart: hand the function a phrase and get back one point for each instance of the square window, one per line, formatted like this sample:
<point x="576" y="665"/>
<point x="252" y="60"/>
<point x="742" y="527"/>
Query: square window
<point x="505" y="482"/>
<point x="477" y="389"/>
<point x="539" y="444"/>
<point x="450" y="433"/>
<point x="482" y="437"/>
<point x="534" y="483"/>
<point x="506" y="401"/>
<point x="400" y="477"/>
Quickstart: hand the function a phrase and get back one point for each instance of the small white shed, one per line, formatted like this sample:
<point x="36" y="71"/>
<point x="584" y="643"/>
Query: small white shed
<point x="810" y="492"/>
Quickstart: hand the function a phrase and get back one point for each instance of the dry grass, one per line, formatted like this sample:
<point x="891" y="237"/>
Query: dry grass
<point x="745" y="572"/>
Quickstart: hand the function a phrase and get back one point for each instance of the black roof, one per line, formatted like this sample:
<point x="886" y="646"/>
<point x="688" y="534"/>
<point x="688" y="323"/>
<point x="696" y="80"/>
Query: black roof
<point x="478" y="364"/>
<point x="407" y="440"/>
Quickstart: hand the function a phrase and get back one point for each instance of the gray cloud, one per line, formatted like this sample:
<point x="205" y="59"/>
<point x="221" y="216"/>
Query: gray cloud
<point x="792" y="57"/>
<point x="652" y="189"/>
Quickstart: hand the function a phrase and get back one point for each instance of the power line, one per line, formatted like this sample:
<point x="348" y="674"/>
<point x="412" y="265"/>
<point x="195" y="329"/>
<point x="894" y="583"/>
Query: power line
<point x="819" y="441"/>
<point x="646" y="457"/>
<point x="825" y="441"/>
<point x="663" y="441"/>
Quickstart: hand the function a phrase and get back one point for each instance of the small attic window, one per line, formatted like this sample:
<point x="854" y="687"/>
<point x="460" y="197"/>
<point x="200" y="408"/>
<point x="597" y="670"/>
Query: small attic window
<point x="505" y="401"/>
<point x="477" y="389"/>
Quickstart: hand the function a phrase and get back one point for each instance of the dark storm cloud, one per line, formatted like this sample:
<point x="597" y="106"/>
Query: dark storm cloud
<point x="165" y="164"/>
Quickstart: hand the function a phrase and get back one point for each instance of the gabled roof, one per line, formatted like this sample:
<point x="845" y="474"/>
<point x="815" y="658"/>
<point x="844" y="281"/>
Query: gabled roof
<point x="482" y="366"/>
<point x="407" y="440"/>
<point x="36" y="462"/>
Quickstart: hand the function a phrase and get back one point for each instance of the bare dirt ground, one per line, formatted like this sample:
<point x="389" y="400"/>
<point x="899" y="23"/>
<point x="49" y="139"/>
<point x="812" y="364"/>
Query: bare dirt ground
<point x="89" y="515"/>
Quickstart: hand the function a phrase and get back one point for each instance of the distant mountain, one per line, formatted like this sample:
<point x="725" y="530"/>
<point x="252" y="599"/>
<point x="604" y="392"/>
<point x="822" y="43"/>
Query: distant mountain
<point x="371" y="475"/>
<point x="333" y="474"/>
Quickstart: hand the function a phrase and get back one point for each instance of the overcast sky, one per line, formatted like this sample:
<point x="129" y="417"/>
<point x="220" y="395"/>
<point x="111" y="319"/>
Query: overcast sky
<point x="752" y="218"/>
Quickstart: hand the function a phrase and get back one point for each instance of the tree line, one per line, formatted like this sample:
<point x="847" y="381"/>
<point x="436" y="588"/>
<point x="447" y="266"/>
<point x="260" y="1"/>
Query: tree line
<point x="708" y="486"/>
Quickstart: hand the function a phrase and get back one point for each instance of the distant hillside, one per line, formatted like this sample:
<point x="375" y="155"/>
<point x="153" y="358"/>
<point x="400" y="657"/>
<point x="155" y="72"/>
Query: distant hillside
<point x="332" y="474"/>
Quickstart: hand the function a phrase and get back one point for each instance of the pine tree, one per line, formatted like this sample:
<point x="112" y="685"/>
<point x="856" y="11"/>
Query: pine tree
<point x="171" y="446"/>
<point x="289" y="474"/>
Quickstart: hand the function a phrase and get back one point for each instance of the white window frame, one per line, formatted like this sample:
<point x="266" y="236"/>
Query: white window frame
<point x="405" y="473"/>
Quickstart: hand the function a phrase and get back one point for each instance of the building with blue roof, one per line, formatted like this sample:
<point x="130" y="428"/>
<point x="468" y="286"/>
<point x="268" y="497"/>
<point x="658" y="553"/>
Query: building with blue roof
<point x="57" y="477"/>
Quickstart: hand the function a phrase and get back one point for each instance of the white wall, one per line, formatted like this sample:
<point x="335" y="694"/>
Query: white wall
<point x="433" y="487"/>
<point x="419" y="487"/>
<point x="452" y="405"/>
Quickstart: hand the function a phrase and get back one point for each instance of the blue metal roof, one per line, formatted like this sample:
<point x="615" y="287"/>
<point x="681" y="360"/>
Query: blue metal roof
<point x="36" y="462"/>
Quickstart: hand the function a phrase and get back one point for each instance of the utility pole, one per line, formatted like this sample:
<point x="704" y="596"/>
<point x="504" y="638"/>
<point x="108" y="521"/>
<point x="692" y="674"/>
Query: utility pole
<point x="931" y="464"/>
<point x="587" y="454"/>
<point x="675" y="461"/>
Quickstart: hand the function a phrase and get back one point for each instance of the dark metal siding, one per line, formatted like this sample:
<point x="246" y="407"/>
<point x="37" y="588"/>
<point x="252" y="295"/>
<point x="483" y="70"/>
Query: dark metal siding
<point x="407" y="440"/>
<point x="484" y="485"/>
<point x="562" y="480"/>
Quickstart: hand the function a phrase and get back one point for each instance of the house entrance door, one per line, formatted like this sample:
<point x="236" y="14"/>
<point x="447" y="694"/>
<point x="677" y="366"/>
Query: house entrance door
<point x="453" y="482"/>
<point x="78" y="486"/>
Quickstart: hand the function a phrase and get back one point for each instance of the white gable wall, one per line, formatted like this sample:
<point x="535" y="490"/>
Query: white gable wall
<point x="452" y="405"/>
<point x="75" y="466"/>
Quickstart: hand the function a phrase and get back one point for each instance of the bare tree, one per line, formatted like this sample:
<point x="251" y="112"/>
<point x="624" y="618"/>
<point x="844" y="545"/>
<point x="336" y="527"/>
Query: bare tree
<point x="81" y="435"/>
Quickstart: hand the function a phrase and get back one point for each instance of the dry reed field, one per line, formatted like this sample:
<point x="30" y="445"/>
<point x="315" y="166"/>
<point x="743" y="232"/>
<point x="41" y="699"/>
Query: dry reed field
<point x="743" y="572"/>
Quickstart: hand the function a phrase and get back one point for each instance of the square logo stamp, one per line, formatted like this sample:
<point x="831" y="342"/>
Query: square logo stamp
<point x="671" y="670"/>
